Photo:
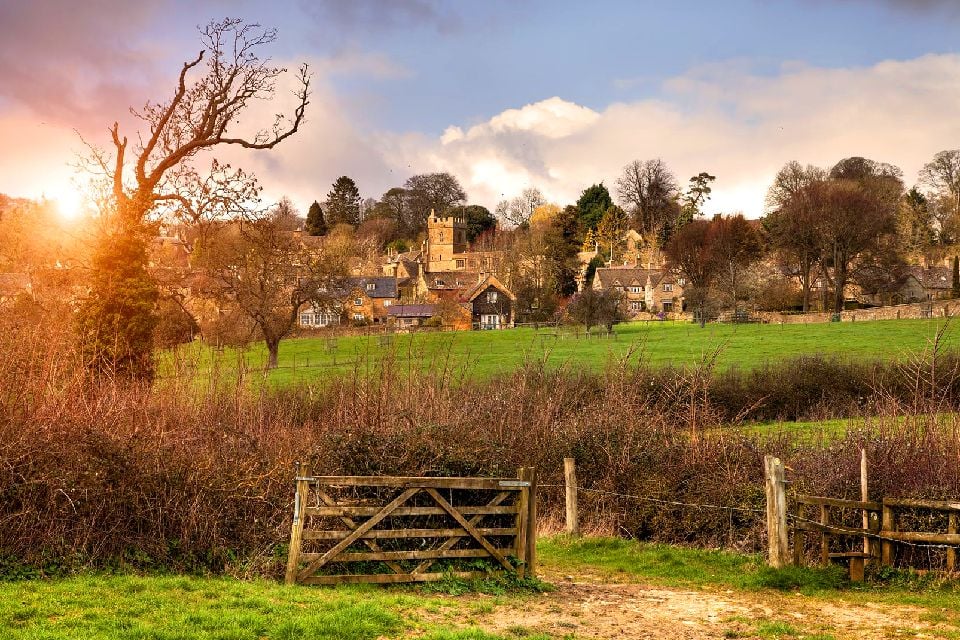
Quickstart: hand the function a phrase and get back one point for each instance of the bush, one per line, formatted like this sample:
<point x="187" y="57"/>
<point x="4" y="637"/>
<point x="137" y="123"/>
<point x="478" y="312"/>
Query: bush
<point x="198" y="474"/>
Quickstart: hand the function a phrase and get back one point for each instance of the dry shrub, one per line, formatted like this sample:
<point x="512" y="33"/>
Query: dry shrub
<point x="197" y="473"/>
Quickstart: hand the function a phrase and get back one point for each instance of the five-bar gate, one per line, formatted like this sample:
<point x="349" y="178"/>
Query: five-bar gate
<point x="386" y="529"/>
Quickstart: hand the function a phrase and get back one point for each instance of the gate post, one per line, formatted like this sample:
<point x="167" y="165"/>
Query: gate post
<point x="775" y="484"/>
<point x="570" y="477"/>
<point x="296" y="529"/>
<point x="531" y="542"/>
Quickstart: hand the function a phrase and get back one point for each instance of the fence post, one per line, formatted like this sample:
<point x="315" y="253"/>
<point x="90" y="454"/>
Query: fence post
<point x="952" y="551"/>
<point x="824" y="535"/>
<point x="296" y="529"/>
<point x="865" y="497"/>
<point x="523" y="511"/>
<point x="532" y="524"/>
<point x="888" y="526"/>
<point x="775" y="482"/>
<point x="570" y="478"/>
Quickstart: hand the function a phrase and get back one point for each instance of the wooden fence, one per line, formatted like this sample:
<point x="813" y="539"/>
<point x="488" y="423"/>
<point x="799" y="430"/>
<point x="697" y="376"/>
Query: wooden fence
<point x="395" y="529"/>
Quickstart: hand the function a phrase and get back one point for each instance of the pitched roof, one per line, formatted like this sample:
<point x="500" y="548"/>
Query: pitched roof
<point x="625" y="276"/>
<point x="412" y="310"/>
<point x="932" y="277"/>
<point x="451" y="279"/>
<point x="383" y="286"/>
<point x="488" y="281"/>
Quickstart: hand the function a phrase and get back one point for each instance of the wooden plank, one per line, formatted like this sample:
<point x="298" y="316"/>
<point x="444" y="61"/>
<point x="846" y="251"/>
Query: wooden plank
<point x="475" y="520"/>
<point x="798" y="542"/>
<point x="521" y="520"/>
<point x="911" y="503"/>
<point x="406" y="482"/>
<point x="570" y="480"/>
<point x="357" y="533"/>
<point x="296" y="529"/>
<point x="531" y="566"/>
<point x="887" y="528"/>
<point x="925" y="536"/>
<point x="839" y="503"/>
<point x="952" y="553"/>
<point x="836" y="529"/>
<point x="476" y="535"/>
<point x="372" y="545"/>
<point x="393" y="578"/>
<point x="420" y="554"/>
<point x="384" y="534"/>
<point x="864" y="497"/>
<point x="824" y="535"/>
<point x="366" y="511"/>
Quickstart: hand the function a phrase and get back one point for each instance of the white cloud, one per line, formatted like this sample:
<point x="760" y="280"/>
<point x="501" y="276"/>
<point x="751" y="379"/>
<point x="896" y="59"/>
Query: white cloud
<point x="724" y="119"/>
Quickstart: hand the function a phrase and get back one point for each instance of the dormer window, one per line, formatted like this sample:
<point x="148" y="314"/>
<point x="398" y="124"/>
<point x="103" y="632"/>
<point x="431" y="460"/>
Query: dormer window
<point x="358" y="302"/>
<point x="371" y="286"/>
<point x="491" y="297"/>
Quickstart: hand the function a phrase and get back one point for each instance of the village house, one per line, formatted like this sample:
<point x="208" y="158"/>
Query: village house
<point x="642" y="290"/>
<point x="491" y="304"/>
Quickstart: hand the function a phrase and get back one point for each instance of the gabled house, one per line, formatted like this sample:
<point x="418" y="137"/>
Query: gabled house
<point x="642" y="290"/>
<point x="366" y="299"/>
<point x="491" y="304"/>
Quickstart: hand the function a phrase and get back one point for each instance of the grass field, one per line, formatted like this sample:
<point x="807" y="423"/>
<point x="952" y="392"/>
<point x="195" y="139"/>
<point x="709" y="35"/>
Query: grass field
<point x="193" y="608"/>
<point x="488" y="353"/>
<point x="198" y="608"/>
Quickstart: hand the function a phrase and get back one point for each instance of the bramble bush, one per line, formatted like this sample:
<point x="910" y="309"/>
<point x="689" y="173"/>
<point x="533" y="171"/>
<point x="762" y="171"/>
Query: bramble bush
<point x="196" y="471"/>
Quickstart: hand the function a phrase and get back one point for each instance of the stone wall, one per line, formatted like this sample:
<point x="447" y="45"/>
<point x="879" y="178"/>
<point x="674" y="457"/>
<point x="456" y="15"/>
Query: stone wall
<point x="935" y="309"/>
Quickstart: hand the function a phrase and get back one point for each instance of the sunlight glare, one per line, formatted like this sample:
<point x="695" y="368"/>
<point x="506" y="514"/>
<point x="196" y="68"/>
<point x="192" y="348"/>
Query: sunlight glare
<point x="69" y="203"/>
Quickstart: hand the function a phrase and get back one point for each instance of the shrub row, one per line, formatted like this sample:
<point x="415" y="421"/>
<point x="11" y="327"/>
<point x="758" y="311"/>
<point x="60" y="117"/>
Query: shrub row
<point x="194" y="474"/>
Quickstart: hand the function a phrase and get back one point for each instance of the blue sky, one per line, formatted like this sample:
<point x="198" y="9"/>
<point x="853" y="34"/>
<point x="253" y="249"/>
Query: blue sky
<point x="512" y="94"/>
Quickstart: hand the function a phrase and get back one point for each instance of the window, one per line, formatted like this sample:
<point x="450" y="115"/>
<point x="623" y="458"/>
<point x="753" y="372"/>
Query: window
<point x="358" y="302"/>
<point x="306" y="319"/>
<point x="387" y="303"/>
<point x="461" y="264"/>
<point x="358" y="317"/>
<point x="371" y="286"/>
<point x="441" y="236"/>
<point x="636" y="305"/>
<point x="488" y="261"/>
<point x="618" y="288"/>
<point x="636" y="289"/>
<point x="668" y="287"/>
<point x="491" y="297"/>
<point x="667" y="307"/>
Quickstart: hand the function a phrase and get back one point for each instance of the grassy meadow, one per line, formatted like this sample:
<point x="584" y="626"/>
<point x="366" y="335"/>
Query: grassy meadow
<point x="485" y="354"/>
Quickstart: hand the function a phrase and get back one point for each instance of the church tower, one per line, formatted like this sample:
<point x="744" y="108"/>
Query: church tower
<point x="446" y="237"/>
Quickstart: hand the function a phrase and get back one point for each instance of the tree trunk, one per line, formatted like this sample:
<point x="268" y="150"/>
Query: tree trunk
<point x="805" y="268"/>
<point x="273" y="352"/>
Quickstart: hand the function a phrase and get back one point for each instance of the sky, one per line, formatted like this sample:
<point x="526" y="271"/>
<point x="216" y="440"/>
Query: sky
<point x="505" y="95"/>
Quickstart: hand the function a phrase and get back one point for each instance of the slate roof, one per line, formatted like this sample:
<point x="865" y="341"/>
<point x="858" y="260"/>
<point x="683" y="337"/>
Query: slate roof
<point x="481" y="286"/>
<point x="412" y="310"/>
<point x="451" y="280"/>
<point x="625" y="276"/>
<point x="932" y="277"/>
<point x="383" y="286"/>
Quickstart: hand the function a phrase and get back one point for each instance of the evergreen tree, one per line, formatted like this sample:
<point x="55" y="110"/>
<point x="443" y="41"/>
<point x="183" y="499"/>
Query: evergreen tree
<point x="316" y="225"/>
<point x="956" y="277"/>
<point x="479" y="220"/>
<point x="593" y="203"/>
<point x="343" y="202"/>
<point x="116" y="321"/>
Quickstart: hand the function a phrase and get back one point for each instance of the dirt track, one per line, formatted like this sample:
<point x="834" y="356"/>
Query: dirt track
<point x="583" y="607"/>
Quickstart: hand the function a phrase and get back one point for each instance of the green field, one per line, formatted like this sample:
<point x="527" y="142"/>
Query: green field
<point x="218" y="608"/>
<point x="488" y="353"/>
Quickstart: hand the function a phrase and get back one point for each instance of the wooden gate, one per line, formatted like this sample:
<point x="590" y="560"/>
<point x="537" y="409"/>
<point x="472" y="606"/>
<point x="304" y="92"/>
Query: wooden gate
<point x="398" y="529"/>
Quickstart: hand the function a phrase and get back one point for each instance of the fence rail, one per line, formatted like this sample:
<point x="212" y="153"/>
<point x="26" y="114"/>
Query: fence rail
<point x="388" y="529"/>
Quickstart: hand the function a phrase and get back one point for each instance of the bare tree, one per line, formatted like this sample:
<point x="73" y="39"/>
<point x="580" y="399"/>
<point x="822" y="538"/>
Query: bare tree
<point x="261" y="270"/>
<point x="428" y="192"/>
<point x="941" y="176"/>
<point x="649" y="190"/>
<point x="518" y="211"/>
<point x="157" y="174"/>
<point x="789" y="181"/>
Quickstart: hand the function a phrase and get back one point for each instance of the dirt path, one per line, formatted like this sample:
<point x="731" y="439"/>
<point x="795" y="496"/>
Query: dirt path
<point x="586" y="607"/>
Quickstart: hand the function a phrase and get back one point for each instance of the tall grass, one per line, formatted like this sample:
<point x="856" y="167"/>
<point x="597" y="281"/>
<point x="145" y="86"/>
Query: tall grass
<point x="196" y="473"/>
